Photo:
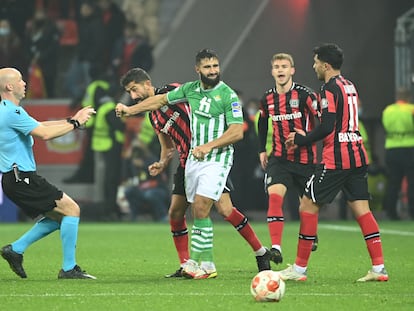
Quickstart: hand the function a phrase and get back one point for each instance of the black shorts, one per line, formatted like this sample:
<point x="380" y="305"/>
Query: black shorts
<point x="179" y="188"/>
<point x="33" y="194"/>
<point x="323" y="186"/>
<point x="288" y="173"/>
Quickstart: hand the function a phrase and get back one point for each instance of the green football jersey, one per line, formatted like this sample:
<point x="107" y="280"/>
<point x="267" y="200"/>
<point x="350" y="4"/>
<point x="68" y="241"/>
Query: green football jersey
<point x="212" y="111"/>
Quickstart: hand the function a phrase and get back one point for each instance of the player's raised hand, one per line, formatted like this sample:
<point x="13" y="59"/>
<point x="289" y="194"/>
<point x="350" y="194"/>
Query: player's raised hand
<point x="84" y="114"/>
<point x="121" y="110"/>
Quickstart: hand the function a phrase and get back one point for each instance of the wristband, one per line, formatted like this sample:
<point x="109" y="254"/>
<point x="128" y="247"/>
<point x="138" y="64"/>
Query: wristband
<point x="74" y="122"/>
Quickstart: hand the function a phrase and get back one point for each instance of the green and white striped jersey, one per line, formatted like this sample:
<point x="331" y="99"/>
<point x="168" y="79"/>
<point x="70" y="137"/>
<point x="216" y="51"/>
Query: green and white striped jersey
<point x="212" y="111"/>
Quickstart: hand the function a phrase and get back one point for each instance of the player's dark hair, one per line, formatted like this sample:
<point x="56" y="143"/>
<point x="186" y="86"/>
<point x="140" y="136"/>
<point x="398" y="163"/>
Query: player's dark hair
<point x="205" y="53"/>
<point x="330" y="53"/>
<point x="137" y="75"/>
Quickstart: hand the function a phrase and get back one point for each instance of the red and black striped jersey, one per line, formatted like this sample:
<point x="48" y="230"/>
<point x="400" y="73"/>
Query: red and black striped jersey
<point x="343" y="147"/>
<point x="294" y="109"/>
<point x="174" y="121"/>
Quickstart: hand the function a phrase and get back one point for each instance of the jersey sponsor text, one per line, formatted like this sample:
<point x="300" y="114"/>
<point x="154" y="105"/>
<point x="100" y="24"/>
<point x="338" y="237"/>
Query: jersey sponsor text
<point x="348" y="137"/>
<point x="289" y="116"/>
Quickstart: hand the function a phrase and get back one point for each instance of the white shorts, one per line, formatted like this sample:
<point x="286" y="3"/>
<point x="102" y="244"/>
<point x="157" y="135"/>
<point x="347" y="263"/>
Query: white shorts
<point x="207" y="179"/>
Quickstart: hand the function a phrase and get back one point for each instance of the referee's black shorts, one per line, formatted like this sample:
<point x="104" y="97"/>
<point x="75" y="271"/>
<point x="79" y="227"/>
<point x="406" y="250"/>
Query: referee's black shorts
<point x="33" y="193"/>
<point x="323" y="186"/>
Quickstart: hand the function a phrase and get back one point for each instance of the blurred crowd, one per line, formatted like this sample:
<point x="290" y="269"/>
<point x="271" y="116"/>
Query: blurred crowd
<point x="79" y="49"/>
<point x="55" y="43"/>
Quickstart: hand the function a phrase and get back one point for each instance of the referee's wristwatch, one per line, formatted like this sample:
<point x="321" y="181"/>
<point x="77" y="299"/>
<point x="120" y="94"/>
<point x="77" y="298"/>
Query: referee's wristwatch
<point x="74" y="122"/>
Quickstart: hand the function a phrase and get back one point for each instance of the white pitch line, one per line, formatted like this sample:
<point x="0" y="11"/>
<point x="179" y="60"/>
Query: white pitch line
<point x="110" y="294"/>
<point x="356" y="229"/>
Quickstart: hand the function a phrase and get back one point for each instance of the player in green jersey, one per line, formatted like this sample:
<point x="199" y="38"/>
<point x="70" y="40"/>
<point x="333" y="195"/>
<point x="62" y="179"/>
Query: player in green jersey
<point x="216" y="123"/>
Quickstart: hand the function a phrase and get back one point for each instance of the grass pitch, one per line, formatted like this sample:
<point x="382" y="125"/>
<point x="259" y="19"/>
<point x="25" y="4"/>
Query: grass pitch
<point x="131" y="259"/>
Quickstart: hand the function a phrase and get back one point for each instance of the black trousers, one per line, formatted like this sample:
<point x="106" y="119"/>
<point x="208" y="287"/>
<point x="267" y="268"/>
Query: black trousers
<point x="399" y="164"/>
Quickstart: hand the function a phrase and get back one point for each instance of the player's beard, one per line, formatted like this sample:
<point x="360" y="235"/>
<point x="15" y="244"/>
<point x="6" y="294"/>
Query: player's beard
<point x="209" y="82"/>
<point x="320" y="75"/>
<point x="142" y="98"/>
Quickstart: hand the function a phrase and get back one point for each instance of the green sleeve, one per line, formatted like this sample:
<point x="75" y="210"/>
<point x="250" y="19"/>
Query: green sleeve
<point x="178" y="94"/>
<point x="233" y="109"/>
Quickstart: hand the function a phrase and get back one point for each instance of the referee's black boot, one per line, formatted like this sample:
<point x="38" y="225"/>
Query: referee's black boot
<point x="75" y="273"/>
<point x="14" y="259"/>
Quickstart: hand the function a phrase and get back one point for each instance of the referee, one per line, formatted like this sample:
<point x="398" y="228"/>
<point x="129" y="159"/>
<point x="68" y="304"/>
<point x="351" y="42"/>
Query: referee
<point x="31" y="192"/>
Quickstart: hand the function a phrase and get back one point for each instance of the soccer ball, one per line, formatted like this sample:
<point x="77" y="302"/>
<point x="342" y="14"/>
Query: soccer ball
<point x="267" y="286"/>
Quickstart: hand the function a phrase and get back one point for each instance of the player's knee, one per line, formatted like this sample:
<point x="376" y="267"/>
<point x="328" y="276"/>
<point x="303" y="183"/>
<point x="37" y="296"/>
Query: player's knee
<point x="72" y="209"/>
<point x="308" y="206"/>
<point x="76" y="210"/>
<point x="224" y="209"/>
<point x="176" y="213"/>
<point x="201" y="212"/>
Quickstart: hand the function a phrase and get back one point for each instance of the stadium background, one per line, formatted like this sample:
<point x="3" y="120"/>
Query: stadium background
<point x="246" y="33"/>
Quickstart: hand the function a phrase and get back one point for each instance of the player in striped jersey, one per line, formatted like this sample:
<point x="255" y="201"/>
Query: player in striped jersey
<point x="172" y="125"/>
<point x="344" y="165"/>
<point x="289" y="105"/>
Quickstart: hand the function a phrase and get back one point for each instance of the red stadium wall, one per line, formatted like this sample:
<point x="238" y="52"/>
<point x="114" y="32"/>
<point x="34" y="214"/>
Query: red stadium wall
<point x="67" y="149"/>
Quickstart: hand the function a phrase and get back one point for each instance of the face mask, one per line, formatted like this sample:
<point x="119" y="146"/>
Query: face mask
<point x="251" y="111"/>
<point x="4" y="31"/>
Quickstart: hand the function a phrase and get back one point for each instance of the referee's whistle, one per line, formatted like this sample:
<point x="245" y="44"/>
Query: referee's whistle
<point x="16" y="172"/>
